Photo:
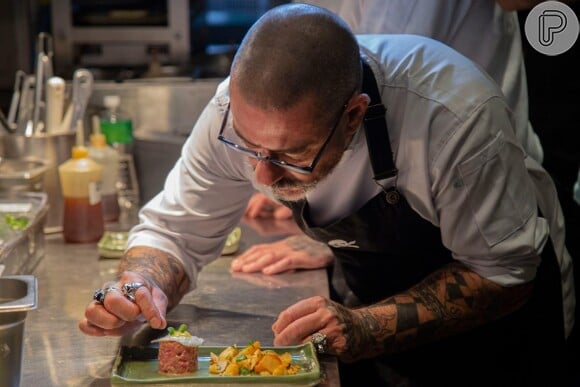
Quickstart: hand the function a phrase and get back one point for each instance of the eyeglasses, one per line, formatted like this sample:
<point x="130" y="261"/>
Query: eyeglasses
<point x="280" y="163"/>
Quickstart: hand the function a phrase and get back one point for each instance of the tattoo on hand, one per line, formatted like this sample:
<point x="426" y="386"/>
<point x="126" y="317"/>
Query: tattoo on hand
<point x="161" y="268"/>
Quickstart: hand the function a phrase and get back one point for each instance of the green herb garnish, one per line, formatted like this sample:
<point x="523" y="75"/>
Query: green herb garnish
<point x="241" y="357"/>
<point x="16" y="223"/>
<point x="181" y="331"/>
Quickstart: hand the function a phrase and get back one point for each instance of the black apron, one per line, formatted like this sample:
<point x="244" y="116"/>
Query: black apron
<point x="386" y="247"/>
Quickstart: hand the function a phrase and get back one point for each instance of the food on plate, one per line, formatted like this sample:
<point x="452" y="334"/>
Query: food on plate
<point x="178" y="351"/>
<point x="251" y="360"/>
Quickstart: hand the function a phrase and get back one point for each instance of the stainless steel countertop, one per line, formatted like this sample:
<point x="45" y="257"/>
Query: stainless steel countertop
<point x="225" y="309"/>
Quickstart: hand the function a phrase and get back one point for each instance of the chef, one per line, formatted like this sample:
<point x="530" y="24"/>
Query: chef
<point x="400" y="155"/>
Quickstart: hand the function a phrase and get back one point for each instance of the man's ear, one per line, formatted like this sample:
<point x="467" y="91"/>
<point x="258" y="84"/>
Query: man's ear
<point x="356" y="111"/>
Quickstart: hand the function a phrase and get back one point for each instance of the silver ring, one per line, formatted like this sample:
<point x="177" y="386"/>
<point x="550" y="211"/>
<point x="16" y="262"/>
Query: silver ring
<point x="100" y="294"/>
<point x="130" y="288"/>
<point x="320" y="342"/>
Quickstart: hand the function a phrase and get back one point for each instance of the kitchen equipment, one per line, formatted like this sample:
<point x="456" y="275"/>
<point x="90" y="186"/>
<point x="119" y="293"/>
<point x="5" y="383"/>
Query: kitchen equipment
<point x="18" y="295"/>
<point x="9" y="123"/>
<point x="119" y="33"/>
<point x="82" y="88"/>
<point x="15" y="103"/>
<point x="26" y="106"/>
<point x="22" y="242"/>
<point x="51" y="148"/>
<point x="20" y="175"/>
<point x="55" y="95"/>
<point x="44" y="71"/>
<point x="4" y="123"/>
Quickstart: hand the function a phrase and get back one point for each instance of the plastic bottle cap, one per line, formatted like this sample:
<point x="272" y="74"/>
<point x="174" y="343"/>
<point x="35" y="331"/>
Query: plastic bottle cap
<point x="98" y="140"/>
<point x="80" y="152"/>
<point x="111" y="101"/>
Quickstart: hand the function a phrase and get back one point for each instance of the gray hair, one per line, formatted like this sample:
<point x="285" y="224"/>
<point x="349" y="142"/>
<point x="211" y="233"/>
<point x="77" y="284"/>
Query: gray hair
<point x="294" y="51"/>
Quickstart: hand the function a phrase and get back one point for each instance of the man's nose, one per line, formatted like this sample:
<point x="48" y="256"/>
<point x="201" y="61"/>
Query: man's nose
<point x="267" y="173"/>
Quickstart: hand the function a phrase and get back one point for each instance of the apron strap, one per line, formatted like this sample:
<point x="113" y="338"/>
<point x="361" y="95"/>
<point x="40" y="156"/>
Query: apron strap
<point x="375" y="123"/>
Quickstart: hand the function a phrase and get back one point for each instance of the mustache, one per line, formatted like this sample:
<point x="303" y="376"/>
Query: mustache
<point x="300" y="189"/>
<point x="285" y="183"/>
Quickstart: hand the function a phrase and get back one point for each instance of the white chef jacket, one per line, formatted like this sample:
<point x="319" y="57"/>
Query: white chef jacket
<point x="478" y="29"/>
<point x="460" y="167"/>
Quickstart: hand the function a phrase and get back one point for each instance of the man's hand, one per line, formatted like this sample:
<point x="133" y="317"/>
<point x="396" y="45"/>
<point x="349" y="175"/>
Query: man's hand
<point x="117" y="314"/>
<point x="294" y="252"/>
<point x="260" y="206"/>
<point x="165" y="282"/>
<point x="296" y="324"/>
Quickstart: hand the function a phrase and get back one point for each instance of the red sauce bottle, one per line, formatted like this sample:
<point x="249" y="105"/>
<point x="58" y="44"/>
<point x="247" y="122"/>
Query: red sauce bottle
<point x="80" y="179"/>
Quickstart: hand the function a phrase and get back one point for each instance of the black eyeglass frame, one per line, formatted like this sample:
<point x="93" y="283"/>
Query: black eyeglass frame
<point x="305" y="170"/>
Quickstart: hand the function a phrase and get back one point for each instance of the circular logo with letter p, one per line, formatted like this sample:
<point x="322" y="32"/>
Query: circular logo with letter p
<point x="552" y="27"/>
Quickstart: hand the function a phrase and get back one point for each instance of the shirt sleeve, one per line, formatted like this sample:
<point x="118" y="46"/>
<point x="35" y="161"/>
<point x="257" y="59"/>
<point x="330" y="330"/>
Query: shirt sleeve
<point x="485" y="198"/>
<point x="203" y="199"/>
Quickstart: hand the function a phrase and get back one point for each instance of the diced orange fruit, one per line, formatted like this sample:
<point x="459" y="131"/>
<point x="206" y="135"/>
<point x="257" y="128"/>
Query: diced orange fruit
<point x="269" y="362"/>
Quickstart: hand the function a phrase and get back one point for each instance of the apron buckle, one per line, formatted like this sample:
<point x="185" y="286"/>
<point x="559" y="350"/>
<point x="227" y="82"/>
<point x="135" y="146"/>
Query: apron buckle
<point x="392" y="196"/>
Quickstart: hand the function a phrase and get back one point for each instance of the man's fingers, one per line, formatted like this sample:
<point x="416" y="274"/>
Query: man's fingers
<point x="100" y="317"/>
<point x="144" y="300"/>
<point x="250" y="256"/>
<point x="297" y="311"/>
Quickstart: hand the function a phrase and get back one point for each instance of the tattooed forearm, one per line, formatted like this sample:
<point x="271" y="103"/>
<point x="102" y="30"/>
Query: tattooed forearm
<point x="159" y="267"/>
<point x="452" y="300"/>
<point x="308" y="245"/>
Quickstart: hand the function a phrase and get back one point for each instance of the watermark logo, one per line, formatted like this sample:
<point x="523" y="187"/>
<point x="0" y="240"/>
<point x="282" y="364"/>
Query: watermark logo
<point x="552" y="27"/>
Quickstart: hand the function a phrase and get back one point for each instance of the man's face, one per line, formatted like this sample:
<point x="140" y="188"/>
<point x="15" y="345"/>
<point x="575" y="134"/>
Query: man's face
<point x="291" y="135"/>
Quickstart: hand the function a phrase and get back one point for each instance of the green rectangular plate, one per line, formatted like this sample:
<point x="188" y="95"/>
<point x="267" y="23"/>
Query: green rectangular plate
<point x="139" y="365"/>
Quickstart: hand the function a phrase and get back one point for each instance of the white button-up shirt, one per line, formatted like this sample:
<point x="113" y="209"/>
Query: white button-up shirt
<point x="460" y="168"/>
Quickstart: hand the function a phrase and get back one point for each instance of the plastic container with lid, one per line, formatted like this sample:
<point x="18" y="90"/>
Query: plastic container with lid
<point x="81" y="179"/>
<point x="108" y="158"/>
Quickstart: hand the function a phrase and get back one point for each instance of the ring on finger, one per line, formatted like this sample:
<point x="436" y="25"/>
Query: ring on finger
<point x="130" y="288"/>
<point x="320" y="342"/>
<point x="100" y="294"/>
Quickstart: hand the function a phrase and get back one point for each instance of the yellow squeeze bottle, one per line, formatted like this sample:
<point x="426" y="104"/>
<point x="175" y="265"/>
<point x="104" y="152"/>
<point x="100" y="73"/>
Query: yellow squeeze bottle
<point x="80" y="179"/>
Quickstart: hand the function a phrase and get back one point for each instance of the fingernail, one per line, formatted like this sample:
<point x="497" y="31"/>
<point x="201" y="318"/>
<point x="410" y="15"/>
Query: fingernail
<point x="155" y="322"/>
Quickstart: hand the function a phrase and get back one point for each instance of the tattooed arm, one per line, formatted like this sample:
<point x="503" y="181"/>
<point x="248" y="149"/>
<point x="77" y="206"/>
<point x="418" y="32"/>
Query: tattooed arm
<point x="452" y="300"/>
<point x="160" y="268"/>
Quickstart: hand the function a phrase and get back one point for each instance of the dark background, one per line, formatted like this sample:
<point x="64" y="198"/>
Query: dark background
<point x="554" y="106"/>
